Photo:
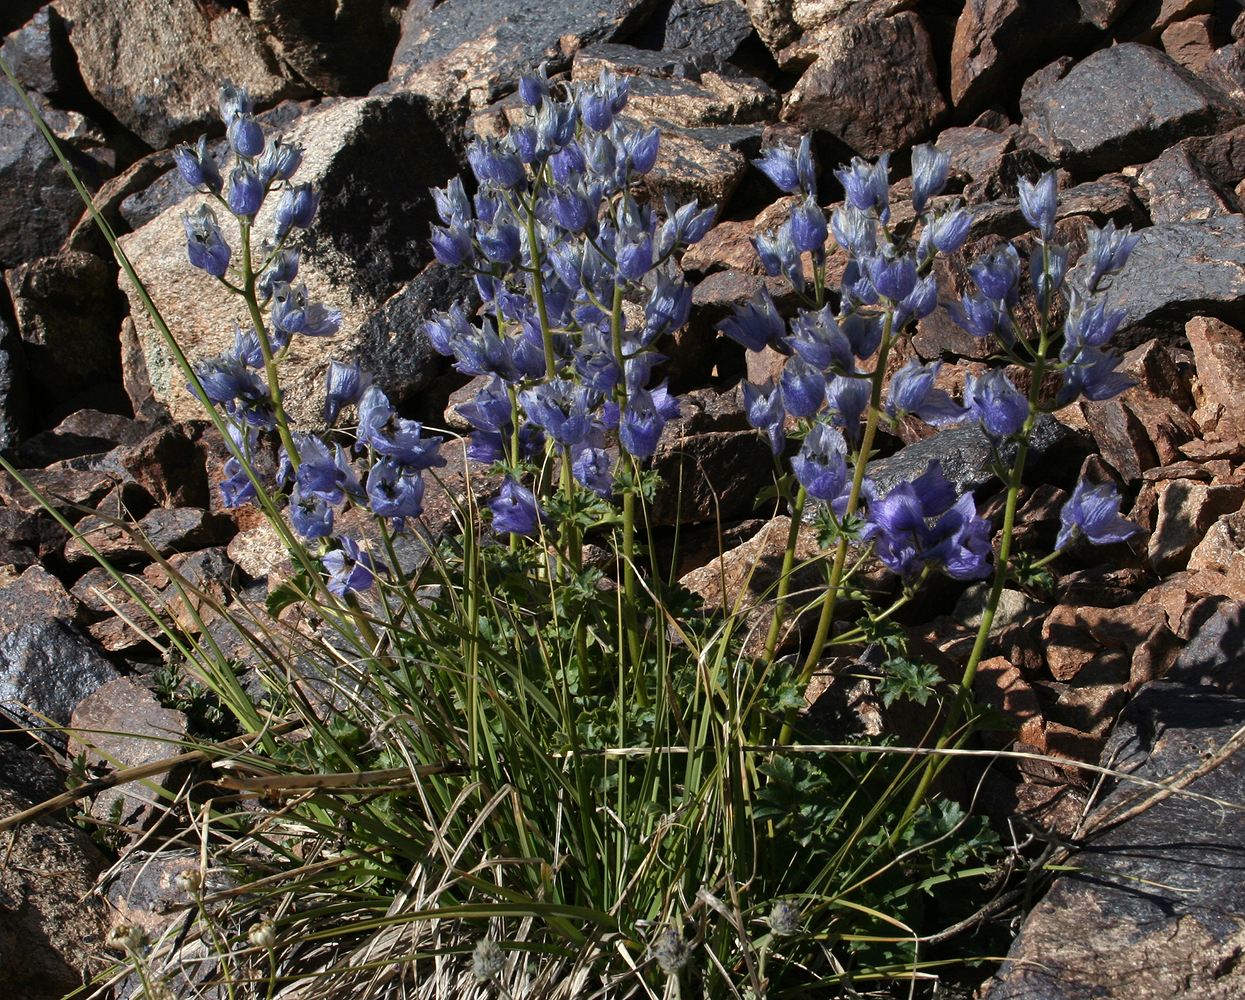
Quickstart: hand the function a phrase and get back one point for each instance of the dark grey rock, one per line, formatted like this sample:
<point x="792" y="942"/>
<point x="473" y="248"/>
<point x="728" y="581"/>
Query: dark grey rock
<point x="165" y="529"/>
<point x="1181" y="188"/>
<point x="1154" y="910"/>
<point x="84" y="432"/>
<point x="392" y="343"/>
<point x="13" y="399"/>
<point x="1226" y="70"/>
<point x="69" y="317"/>
<point x="1212" y="658"/>
<point x="337" y="46"/>
<point x="38" y="203"/>
<point x="1183" y="269"/>
<point x="39" y="54"/>
<point x="26" y="538"/>
<point x="514" y="38"/>
<point x="874" y="86"/>
<point x="1222" y="154"/>
<point x="46" y="668"/>
<point x="706" y="164"/>
<point x="170" y="465"/>
<point x="51" y="924"/>
<point x="1155" y="102"/>
<point x="966" y="456"/>
<point x="709" y="475"/>
<point x="67" y="490"/>
<point x="706" y="32"/>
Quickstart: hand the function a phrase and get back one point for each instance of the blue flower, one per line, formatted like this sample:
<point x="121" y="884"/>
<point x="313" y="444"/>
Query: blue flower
<point x="493" y="163"/>
<point x="666" y="308"/>
<point x="1038" y="203"/>
<point x="803" y="388"/>
<point x="817" y="338"/>
<point x="999" y="406"/>
<point x="641" y="424"/>
<point x="570" y="209"/>
<point x="236" y="488"/>
<point x="534" y="87"/>
<point x="863" y="332"/>
<point x="642" y="148"/>
<point x="568" y="164"/>
<point x="847" y="398"/>
<point x="394" y="490"/>
<point x="246" y="191"/>
<point x="324" y="473"/>
<point x="635" y="258"/>
<point x="1091" y="373"/>
<point x="280" y="161"/>
<point x="499" y="243"/>
<point x="1093" y="513"/>
<point x="515" y="509"/>
<point x="490" y="410"/>
<point x="979" y="316"/>
<point x="284" y="268"/>
<point x="949" y="231"/>
<point x="686" y="225"/>
<point x="350" y="569"/>
<point x="930" y="168"/>
<point x="855" y="231"/>
<point x="205" y="246"/>
<point x="756" y="324"/>
<point x="808" y="226"/>
<point x="381" y="429"/>
<point x="292" y="313"/>
<point x="912" y="392"/>
<point x="918" y="303"/>
<point x="866" y="185"/>
<point x="894" y="278"/>
<point x="997" y="274"/>
<point x="1047" y="271"/>
<point x="197" y="167"/>
<point x="763" y="407"/>
<point x="560" y="408"/>
<point x="297" y="208"/>
<point x="821" y="465"/>
<point x="451" y="245"/>
<point x="310" y="515"/>
<point x="345" y="388"/>
<point x="1091" y="325"/>
<point x="592" y="469"/>
<point x="1108" y="251"/>
<point x="234" y="101"/>
<point x="452" y="204"/>
<point x="791" y="170"/>
<point x="245" y="136"/>
<point x="779" y="255"/>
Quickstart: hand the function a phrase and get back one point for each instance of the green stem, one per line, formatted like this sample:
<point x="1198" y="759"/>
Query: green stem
<point x="830" y="599"/>
<point x="784" y="578"/>
<point x="265" y="345"/>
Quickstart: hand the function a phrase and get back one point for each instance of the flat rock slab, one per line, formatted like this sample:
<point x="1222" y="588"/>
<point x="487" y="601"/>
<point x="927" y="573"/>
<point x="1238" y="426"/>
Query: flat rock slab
<point x="1183" y="269"/>
<point x="1157" y="909"/>
<point x="1124" y="104"/>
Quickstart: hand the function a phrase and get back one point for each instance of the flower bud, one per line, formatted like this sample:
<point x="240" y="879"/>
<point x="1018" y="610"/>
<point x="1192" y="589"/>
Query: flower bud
<point x="263" y="935"/>
<point x="246" y="191"/>
<point x="188" y="881"/>
<point x="245" y="136"/>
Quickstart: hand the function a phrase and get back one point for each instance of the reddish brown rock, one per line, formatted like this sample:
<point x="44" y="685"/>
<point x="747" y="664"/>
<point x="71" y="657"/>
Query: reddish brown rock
<point x="1101" y="645"/>
<point x="1226" y="70"/>
<point x="1180" y="188"/>
<point x="1003" y="687"/>
<point x="1219" y="358"/>
<point x="1190" y="42"/>
<point x="874" y="86"/>
<point x="1186" y="510"/>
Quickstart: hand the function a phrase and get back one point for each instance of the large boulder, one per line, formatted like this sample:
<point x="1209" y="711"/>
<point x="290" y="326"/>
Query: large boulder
<point x="157" y="65"/>
<point x="373" y="161"/>
<point x="1121" y="105"/>
<point x="874" y="85"/>
<point x="337" y="46"/>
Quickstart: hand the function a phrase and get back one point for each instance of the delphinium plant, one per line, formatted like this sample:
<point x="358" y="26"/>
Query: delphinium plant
<point x="536" y="773"/>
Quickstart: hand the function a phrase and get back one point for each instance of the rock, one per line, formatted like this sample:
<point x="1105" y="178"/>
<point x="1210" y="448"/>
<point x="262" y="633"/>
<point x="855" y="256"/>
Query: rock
<point x="111" y="198"/>
<point x="369" y="238"/>
<point x="1223" y="155"/>
<point x="338" y="48"/>
<point x="483" y="48"/>
<point x="783" y="22"/>
<point x="170" y="466"/>
<point x="68" y="314"/>
<point x="39" y="54"/>
<point x="1001" y="40"/>
<point x="38" y="202"/>
<point x="874" y="86"/>
<point x="83" y="432"/>
<point x="1108" y="646"/>
<point x="1180" y="189"/>
<point x="709" y="475"/>
<point x="46" y="668"/>
<point x="67" y="490"/>
<point x="1190" y="42"/>
<point x="1003" y="687"/>
<point x="1219" y="357"/>
<point x="165" y="530"/>
<point x="26" y="538"/>
<point x="13" y="396"/>
<point x="157" y="65"/>
<point x="706" y="33"/>
<point x="976" y="153"/>
<point x="705" y="164"/>
<point x="51" y="924"/>
<point x="121" y="725"/>
<point x="1178" y="935"/>
<point x="1222" y="551"/>
<point x="1180" y="269"/>
<point x="1158" y="102"/>
<point x="1226" y="70"/>
<point x="712" y="100"/>
<point x="727" y="246"/>
<point x="1103" y="13"/>
<point x="965" y="454"/>
<point x="1185" y="513"/>
<point x="1015" y="608"/>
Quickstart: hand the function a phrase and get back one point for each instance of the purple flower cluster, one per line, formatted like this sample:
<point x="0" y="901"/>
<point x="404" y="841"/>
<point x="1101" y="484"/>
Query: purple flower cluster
<point x="557" y="241"/>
